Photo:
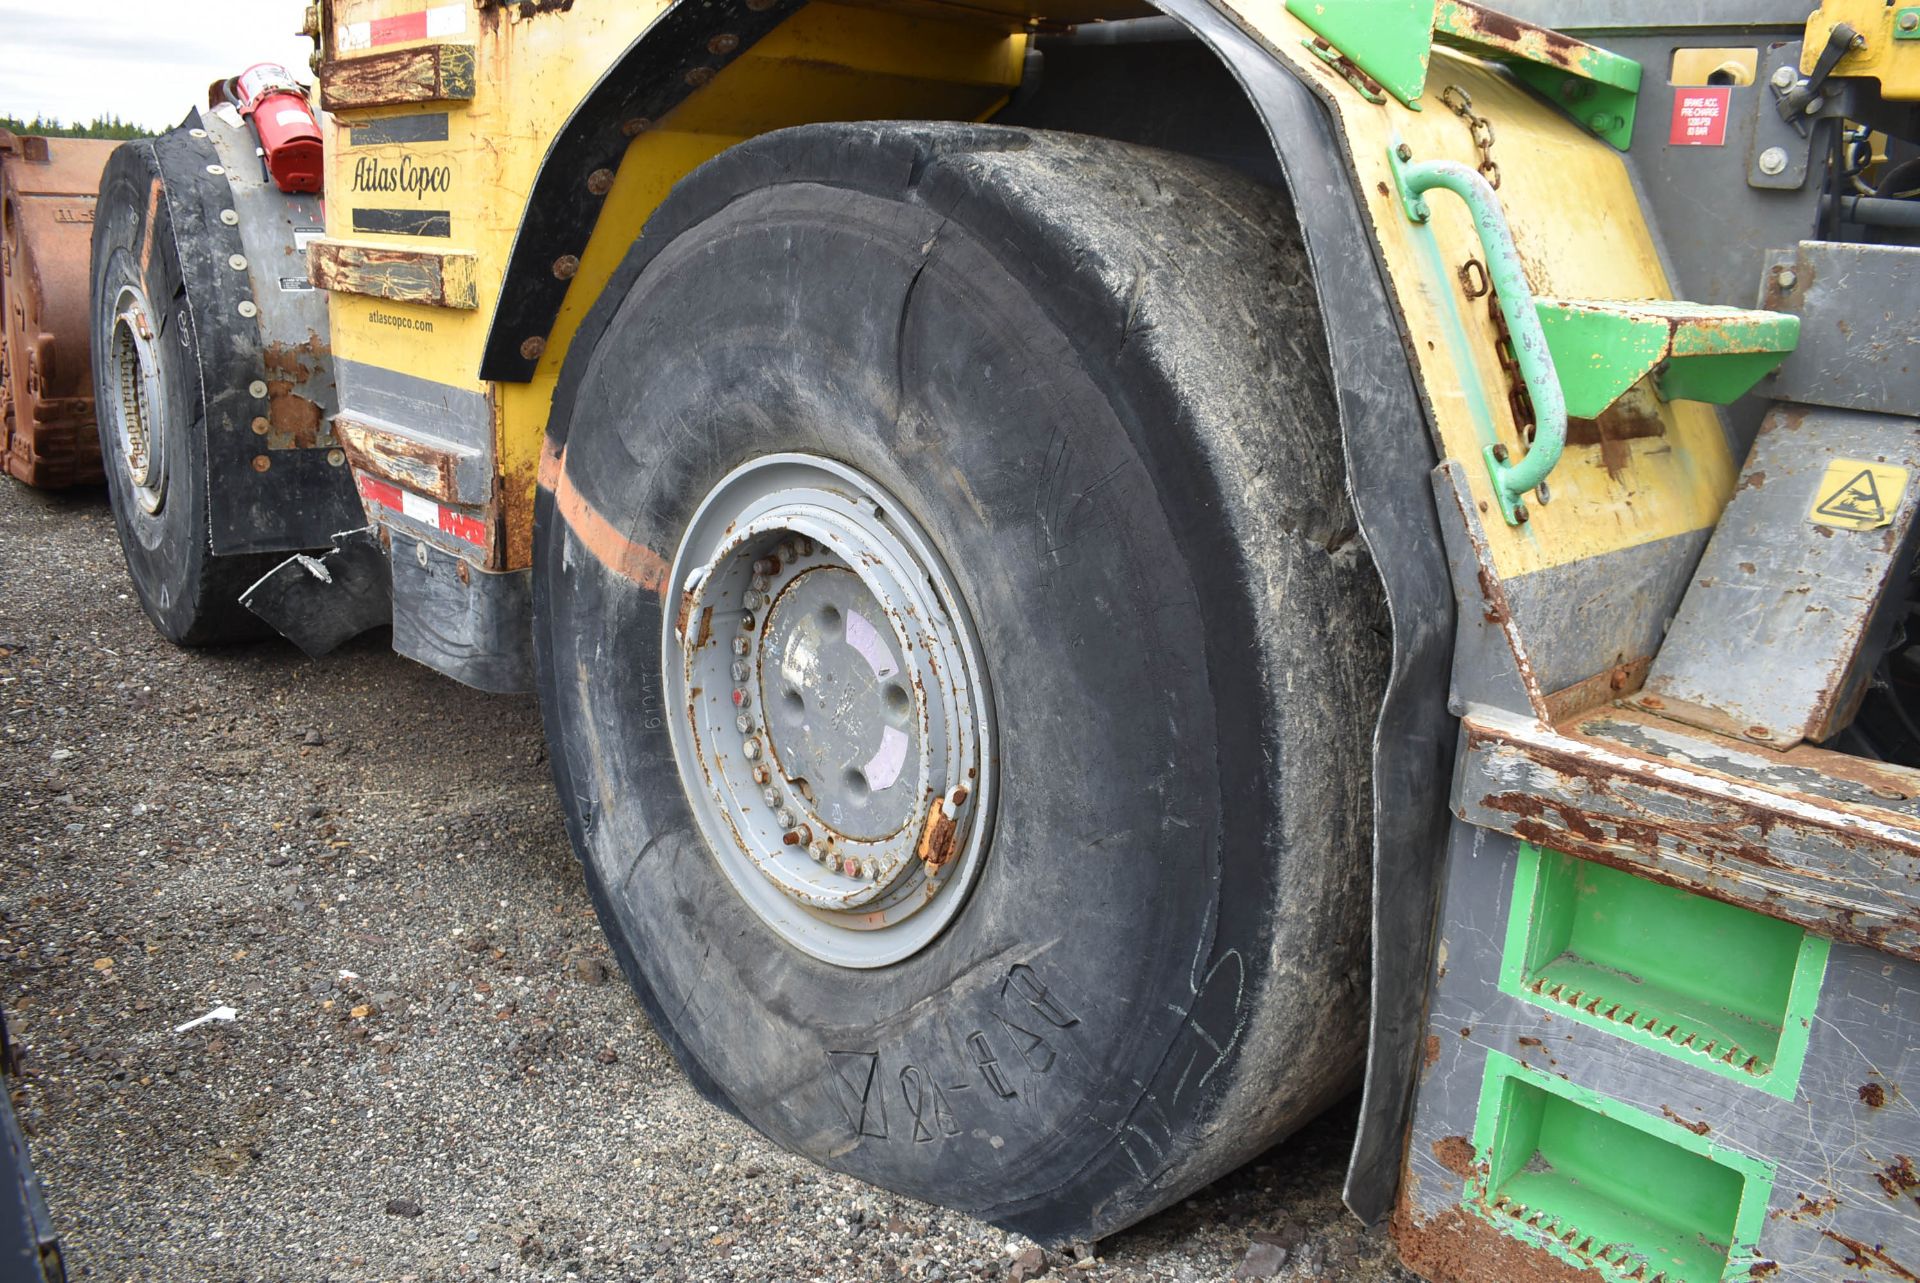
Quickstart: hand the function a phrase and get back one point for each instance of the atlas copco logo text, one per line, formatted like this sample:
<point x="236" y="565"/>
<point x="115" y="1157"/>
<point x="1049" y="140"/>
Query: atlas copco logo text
<point x="371" y="175"/>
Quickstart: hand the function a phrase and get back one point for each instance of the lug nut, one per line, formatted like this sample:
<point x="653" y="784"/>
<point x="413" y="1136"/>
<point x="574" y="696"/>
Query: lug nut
<point x="770" y="795"/>
<point x="817" y="851"/>
<point x="746" y="624"/>
<point x="752" y="749"/>
<point x="761" y="775"/>
<point x="740" y="645"/>
<point x="745" y="724"/>
<point x="850" y="868"/>
<point x="783" y="817"/>
<point x="804" y="546"/>
<point x="752" y="600"/>
<point x="764" y="567"/>
<point x="741" y="670"/>
<point x="741" y="699"/>
<point x="785" y="551"/>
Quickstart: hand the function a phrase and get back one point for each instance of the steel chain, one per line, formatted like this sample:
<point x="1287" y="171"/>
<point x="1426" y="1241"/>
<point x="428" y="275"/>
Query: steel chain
<point x="1460" y="103"/>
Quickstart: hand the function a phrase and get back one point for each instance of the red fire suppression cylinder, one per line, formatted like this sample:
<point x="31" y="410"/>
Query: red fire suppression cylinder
<point x="290" y="136"/>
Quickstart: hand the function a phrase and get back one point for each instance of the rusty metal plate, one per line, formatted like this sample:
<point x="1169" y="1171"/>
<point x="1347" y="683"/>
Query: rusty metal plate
<point x="47" y="189"/>
<point x="1783" y="621"/>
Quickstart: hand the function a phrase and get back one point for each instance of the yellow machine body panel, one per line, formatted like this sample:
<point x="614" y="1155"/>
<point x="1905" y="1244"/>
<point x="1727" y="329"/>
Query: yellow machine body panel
<point x="827" y="62"/>
<point x="1578" y="226"/>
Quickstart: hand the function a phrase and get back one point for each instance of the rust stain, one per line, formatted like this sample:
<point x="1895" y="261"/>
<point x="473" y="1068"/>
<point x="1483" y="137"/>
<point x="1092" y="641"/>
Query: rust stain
<point x="1458" y="1247"/>
<point x="1699" y="1128"/>
<point x="1620" y="681"/>
<point x="940" y="836"/>
<point x="1456" y="1154"/>
<point x="1873" y="1095"/>
<point x="1898" y="1176"/>
<point x="294" y="421"/>
<point x="1862" y="1257"/>
<point x="1753" y="481"/>
<point x="1431" y="1056"/>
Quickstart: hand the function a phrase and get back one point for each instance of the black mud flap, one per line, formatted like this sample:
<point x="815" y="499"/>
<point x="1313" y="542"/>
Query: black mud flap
<point x="317" y="603"/>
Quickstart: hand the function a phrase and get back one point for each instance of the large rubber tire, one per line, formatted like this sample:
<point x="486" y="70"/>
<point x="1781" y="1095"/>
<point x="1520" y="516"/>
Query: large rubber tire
<point x="190" y="594"/>
<point x="1095" y="373"/>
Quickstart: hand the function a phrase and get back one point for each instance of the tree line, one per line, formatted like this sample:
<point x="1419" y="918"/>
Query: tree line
<point x="109" y="126"/>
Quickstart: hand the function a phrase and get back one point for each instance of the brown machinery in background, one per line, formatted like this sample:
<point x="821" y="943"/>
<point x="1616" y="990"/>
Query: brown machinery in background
<point x="47" y="188"/>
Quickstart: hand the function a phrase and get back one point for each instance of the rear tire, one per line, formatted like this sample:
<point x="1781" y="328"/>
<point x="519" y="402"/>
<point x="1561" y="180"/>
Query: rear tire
<point x="151" y="415"/>
<point x="1094" y="376"/>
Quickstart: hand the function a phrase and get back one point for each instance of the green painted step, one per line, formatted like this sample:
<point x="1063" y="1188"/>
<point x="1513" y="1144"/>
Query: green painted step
<point x="1702" y="352"/>
<point x="1392" y="41"/>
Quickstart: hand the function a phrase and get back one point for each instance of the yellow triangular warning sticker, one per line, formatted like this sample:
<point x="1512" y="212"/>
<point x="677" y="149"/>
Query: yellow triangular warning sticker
<point x="1857" y="495"/>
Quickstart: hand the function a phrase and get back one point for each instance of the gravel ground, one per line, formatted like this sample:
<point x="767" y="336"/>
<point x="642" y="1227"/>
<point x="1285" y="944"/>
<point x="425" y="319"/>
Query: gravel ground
<point x="434" y="1070"/>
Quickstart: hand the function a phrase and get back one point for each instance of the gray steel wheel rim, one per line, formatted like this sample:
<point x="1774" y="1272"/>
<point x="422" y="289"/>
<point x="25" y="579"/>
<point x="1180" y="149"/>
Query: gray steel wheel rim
<point x="840" y="769"/>
<point x="137" y="406"/>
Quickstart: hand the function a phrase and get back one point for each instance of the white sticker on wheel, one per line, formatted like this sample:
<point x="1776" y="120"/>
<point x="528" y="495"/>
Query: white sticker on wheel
<point x="863" y="637"/>
<point x="884" y="767"/>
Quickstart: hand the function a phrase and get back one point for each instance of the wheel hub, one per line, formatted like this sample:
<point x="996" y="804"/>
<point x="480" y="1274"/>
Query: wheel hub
<point x="138" y="419"/>
<point x="833" y="723"/>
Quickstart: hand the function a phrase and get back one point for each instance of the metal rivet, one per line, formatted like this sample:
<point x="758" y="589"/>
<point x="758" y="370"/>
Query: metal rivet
<point x="238" y="262"/>
<point x="1786" y="278"/>
<point x="336" y="457"/>
<point x="635" y="127"/>
<point x="196" y="133"/>
<point x="1500" y="453"/>
<point x="1404" y="152"/>
<point x="1759" y="733"/>
<point x="257" y="389"/>
<point x="230" y="218"/>
<point x="723" y="44"/>
<point x="261" y="463"/>
<point x="248" y="307"/>
<point x="215" y="169"/>
<point x="420" y="552"/>
<point x="533" y="347"/>
<point x="260" y="427"/>
<point x="566" y="267"/>
<point x="698" y="77"/>
<point x="1520" y="514"/>
<point x="600" y="182"/>
<point x="1910" y="20"/>
<point x="1773" y="160"/>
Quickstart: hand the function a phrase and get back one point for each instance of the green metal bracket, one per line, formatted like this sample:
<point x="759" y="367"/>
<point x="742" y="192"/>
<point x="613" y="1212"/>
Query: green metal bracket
<point x="1511" y="481"/>
<point x="1906" y="23"/>
<point x="1714" y="354"/>
<point x="1392" y="41"/>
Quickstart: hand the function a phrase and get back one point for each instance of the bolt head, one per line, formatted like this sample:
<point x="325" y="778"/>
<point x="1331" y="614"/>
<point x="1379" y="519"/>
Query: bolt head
<point x="1500" y="453"/>
<point x="1773" y="160"/>
<point x="752" y="750"/>
<point x="1542" y="495"/>
<point x="1785" y="278"/>
<point x="741" y="670"/>
<point x="1404" y="152"/>
<point x="1520" y="516"/>
<point x="761" y="775"/>
<point x="783" y="817"/>
<point x="741" y="698"/>
<point x="743" y="723"/>
<point x="1910" y="20"/>
<point x="740" y="645"/>
<point x="1783" y="77"/>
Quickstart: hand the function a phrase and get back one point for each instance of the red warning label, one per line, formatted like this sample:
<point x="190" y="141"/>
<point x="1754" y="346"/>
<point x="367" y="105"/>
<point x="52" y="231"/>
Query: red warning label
<point x="1700" y="117"/>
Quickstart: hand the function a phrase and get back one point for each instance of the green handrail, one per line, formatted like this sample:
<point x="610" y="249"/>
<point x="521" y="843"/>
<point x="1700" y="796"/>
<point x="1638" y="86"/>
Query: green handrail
<point x="1511" y="481"/>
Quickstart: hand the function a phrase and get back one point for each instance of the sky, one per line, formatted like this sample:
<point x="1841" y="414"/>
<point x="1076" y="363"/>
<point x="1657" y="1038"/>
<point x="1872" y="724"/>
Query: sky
<point x="148" y="60"/>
